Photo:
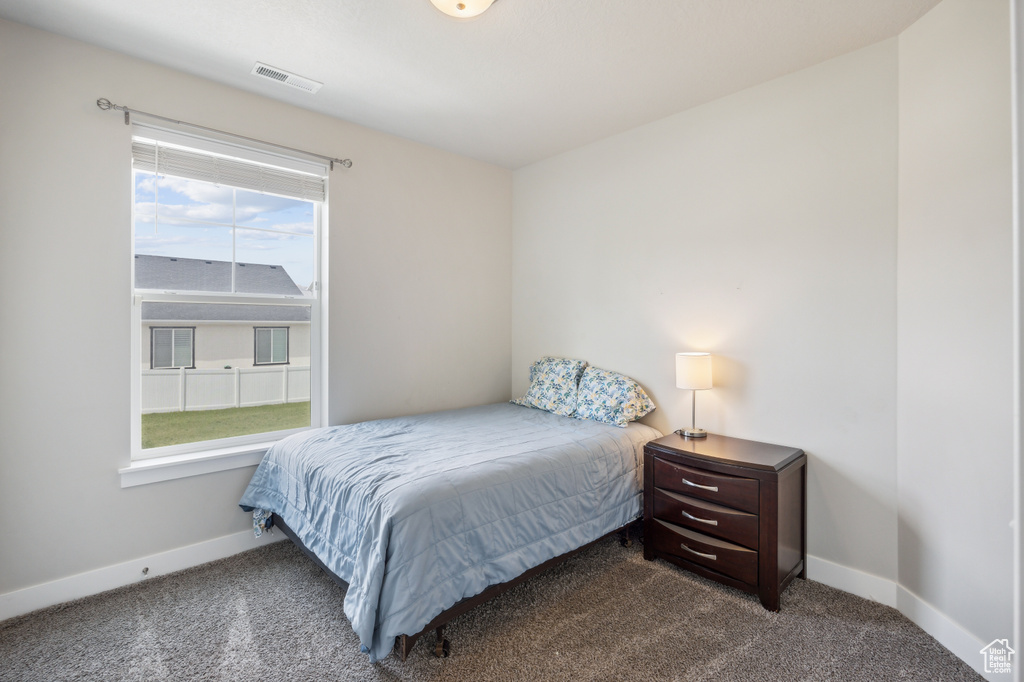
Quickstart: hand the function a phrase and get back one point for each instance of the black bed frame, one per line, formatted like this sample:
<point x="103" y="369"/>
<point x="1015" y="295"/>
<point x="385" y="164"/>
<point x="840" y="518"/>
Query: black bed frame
<point x="404" y="643"/>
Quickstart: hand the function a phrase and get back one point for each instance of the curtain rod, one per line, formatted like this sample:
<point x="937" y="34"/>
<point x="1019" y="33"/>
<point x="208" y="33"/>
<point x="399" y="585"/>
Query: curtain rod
<point x="106" y="105"/>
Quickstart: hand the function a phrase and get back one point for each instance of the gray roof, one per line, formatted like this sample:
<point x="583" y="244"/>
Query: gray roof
<point x="191" y="274"/>
<point x="223" y="312"/>
<point x="194" y="274"/>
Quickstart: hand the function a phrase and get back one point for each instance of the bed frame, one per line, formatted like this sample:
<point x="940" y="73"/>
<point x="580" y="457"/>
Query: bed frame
<point x="404" y="643"/>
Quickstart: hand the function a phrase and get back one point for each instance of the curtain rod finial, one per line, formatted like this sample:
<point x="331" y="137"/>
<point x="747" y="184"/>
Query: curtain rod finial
<point x="106" y="105"/>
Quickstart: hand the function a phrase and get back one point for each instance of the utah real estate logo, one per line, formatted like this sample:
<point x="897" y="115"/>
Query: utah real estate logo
<point x="998" y="656"/>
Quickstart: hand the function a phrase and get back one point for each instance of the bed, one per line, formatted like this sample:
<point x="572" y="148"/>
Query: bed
<point x="424" y="516"/>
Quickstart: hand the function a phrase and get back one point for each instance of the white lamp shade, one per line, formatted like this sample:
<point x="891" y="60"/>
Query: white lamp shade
<point x="463" y="9"/>
<point x="693" y="371"/>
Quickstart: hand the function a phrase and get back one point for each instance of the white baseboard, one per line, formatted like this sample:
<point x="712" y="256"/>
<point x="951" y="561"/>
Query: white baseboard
<point x="851" y="580"/>
<point x="947" y="632"/>
<point x="102" y="579"/>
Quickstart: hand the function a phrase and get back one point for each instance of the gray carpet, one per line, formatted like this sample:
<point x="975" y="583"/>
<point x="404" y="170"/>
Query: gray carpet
<point x="607" y="614"/>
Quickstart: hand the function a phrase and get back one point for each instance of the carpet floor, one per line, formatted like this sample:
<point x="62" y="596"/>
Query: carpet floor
<point x="606" y="614"/>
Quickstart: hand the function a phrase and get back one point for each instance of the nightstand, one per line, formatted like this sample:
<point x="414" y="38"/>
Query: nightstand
<point x="728" y="509"/>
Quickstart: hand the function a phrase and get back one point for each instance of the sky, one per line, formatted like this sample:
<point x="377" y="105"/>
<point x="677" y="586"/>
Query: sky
<point x="196" y="219"/>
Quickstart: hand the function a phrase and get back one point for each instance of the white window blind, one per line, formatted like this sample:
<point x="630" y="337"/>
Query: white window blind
<point x="164" y="159"/>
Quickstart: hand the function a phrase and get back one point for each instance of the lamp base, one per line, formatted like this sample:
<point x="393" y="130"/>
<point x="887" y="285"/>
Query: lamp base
<point x="693" y="433"/>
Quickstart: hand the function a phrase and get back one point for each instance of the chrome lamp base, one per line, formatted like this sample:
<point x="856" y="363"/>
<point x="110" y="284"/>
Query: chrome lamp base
<point x="693" y="431"/>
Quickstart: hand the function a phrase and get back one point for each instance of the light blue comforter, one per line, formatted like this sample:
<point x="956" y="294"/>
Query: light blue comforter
<point x="417" y="513"/>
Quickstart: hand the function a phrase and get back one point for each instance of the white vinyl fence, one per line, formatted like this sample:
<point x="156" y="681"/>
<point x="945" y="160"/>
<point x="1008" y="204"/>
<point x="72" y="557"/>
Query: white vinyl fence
<point x="165" y="390"/>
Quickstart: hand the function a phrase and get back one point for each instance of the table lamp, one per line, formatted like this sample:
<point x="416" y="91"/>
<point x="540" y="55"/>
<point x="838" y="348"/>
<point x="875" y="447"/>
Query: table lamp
<point x="693" y="372"/>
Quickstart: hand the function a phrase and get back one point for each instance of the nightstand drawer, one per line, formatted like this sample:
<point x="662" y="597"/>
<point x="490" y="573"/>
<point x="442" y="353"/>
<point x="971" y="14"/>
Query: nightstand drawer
<point x="724" y="557"/>
<point x="741" y="493"/>
<point x="706" y="517"/>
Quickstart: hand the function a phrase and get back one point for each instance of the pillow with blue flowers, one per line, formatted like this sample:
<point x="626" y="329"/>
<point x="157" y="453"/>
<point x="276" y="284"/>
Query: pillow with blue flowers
<point x="611" y="398"/>
<point x="553" y="384"/>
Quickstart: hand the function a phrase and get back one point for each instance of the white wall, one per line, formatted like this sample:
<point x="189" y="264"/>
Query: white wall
<point x="420" y="276"/>
<point x="830" y="235"/>
<point x="1017" y="43"/>
<point x="760" y="227"/>
<point x="955" y="287"/>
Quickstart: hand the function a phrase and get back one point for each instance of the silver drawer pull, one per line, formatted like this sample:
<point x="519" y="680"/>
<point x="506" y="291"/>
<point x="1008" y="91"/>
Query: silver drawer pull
<point x="693" y="551"/>
<point x="710" y="522"/>
<point x="712" y="488"/>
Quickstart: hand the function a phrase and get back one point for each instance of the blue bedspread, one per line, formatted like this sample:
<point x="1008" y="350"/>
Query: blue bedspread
<point x="416" y="513"/>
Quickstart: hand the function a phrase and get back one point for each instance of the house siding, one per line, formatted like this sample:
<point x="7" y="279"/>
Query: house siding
<point x="219" y="344"/>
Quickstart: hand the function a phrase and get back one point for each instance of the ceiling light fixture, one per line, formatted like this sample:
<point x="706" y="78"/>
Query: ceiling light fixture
<point x="462" y="9"/>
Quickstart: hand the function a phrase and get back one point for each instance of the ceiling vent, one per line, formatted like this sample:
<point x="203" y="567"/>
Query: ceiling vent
<point x="275" y="74"/>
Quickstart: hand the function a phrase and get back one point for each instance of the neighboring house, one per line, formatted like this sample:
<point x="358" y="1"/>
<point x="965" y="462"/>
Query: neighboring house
<point x="216" y="336"/>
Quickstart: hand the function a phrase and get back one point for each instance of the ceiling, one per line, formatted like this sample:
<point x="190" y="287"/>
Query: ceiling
<point x="526" y="80"/>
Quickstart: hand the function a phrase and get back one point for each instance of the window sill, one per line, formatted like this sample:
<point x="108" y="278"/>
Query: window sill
<point x="157" y="469"/>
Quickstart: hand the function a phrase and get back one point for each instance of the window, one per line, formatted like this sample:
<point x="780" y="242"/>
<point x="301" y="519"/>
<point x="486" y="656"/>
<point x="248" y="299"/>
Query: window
<point x="271" y="345"/>
<point x="172" y="347"/>
<point x="225" y="282"/>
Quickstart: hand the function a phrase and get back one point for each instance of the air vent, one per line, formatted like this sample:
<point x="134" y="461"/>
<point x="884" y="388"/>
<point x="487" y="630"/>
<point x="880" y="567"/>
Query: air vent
<point x="275" y="74"/>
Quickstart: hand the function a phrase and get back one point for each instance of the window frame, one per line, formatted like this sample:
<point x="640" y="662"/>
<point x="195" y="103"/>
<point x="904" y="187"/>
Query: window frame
<point x="152" y="347"/>
<point x="256" y="346"/>
<point x="173" y="461"/>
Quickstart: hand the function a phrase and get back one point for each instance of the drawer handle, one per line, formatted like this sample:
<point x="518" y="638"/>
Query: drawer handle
<point x="712" y="488"/>
<point x="693" y="551"/>
<point x="710" y="522"/>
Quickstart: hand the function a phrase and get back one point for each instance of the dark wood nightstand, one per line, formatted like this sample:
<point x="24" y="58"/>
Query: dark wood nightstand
<point x="728" y="509"/>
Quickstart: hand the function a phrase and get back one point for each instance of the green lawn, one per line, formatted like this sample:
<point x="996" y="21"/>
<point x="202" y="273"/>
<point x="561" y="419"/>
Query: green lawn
<point x="171" y="428"/>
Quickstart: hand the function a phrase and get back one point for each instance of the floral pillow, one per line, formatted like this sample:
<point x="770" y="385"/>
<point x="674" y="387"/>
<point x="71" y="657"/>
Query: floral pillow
<point x="611" y="397"/>
<point x="553" y="383"/>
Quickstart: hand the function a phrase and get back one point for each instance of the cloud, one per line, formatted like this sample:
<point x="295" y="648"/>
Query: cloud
<point x="194" y="244"/>
<point x="282" y="235"/>
<point x="282" y="231"/>
<point x="195" y="200"/>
